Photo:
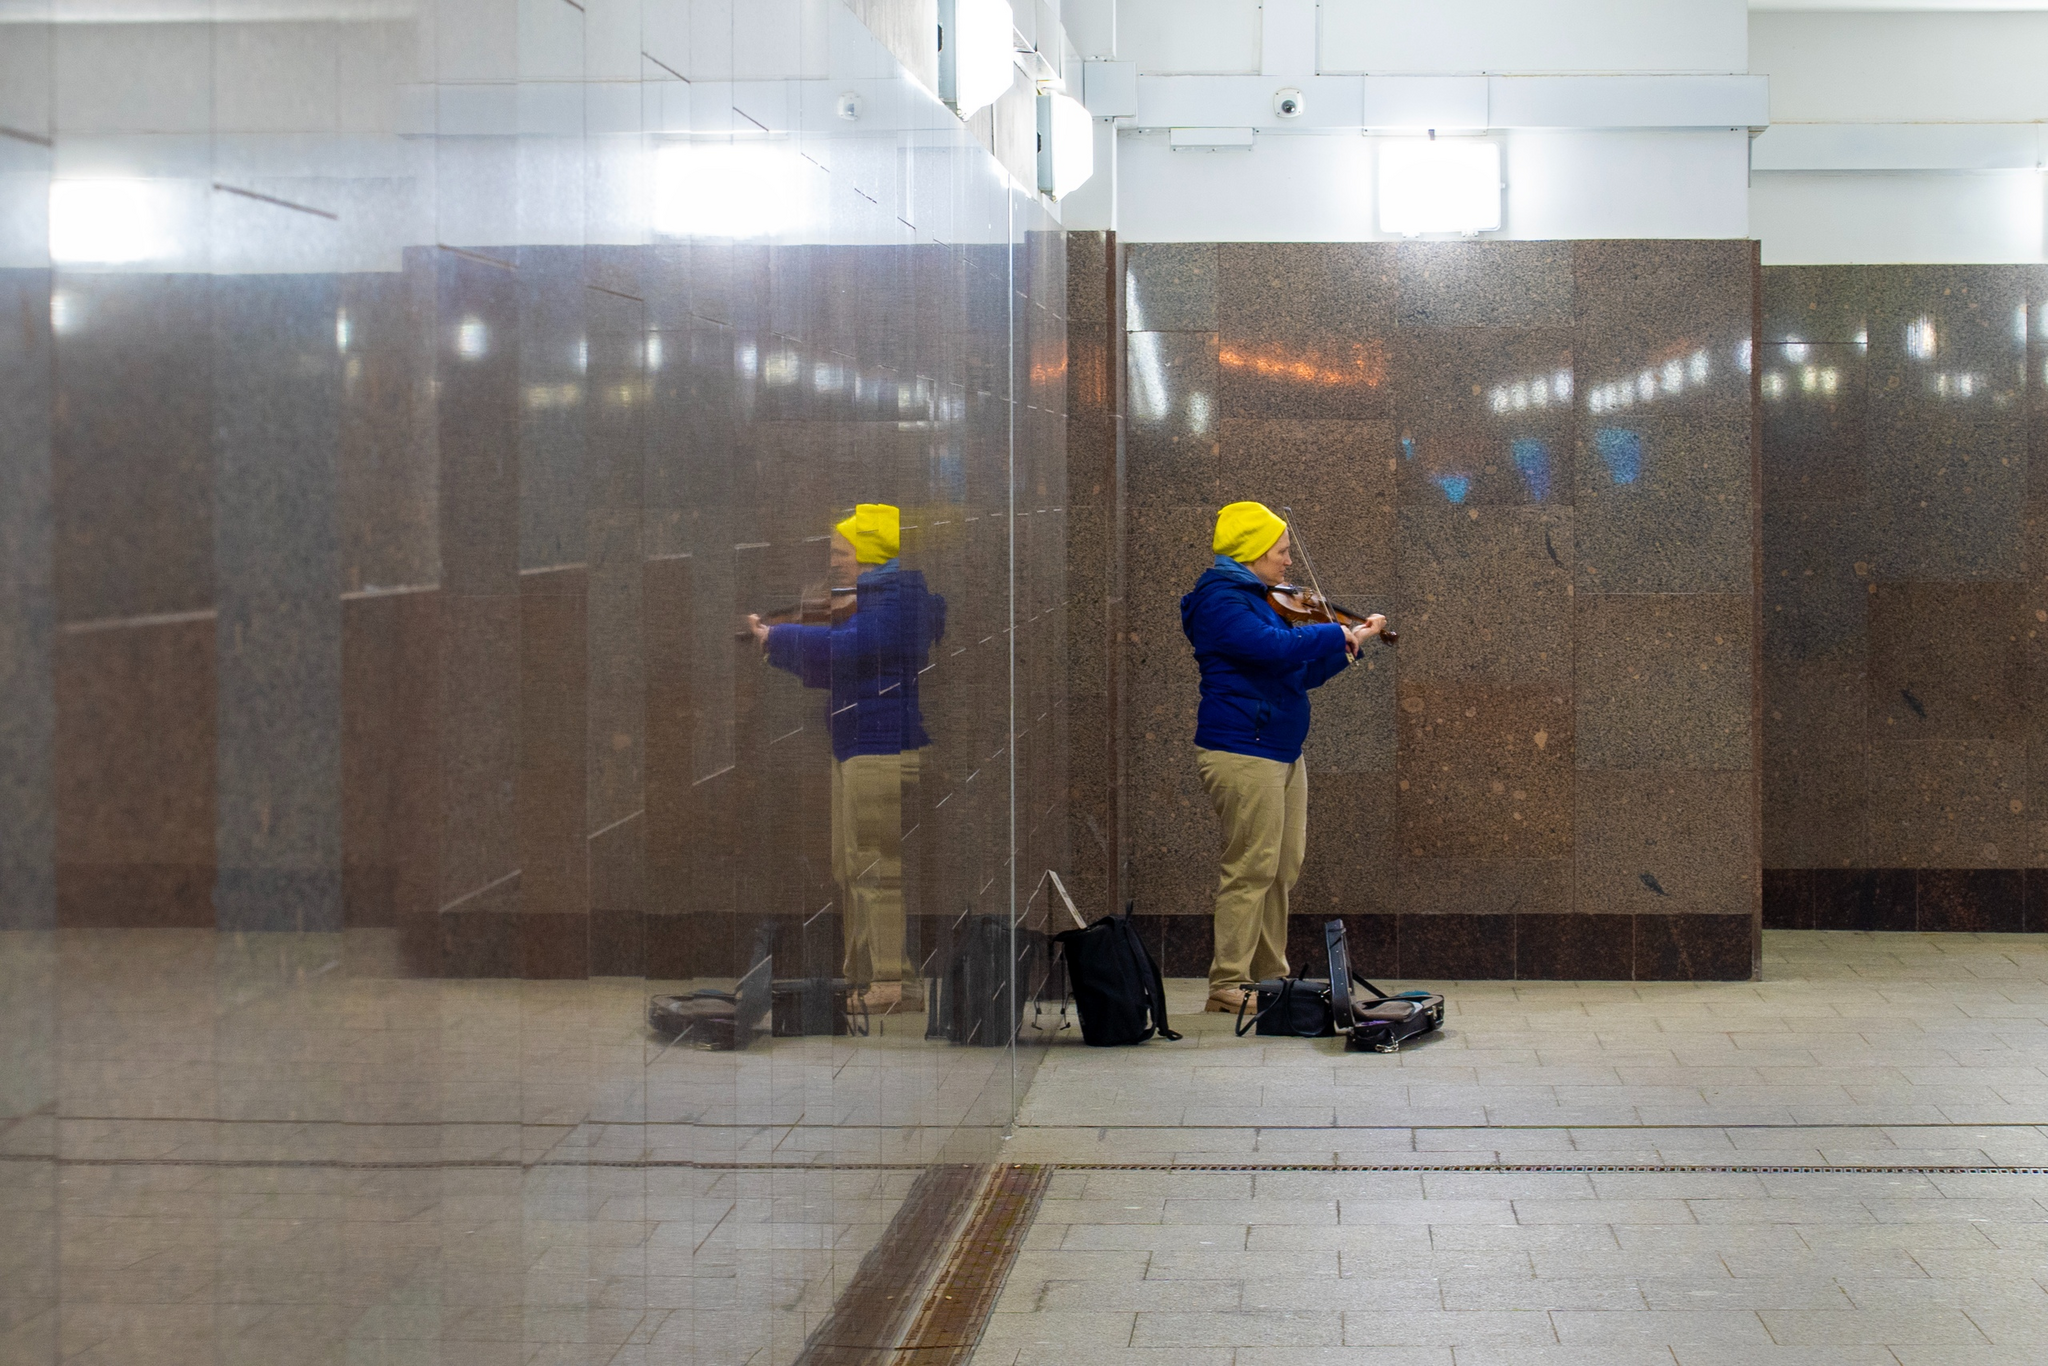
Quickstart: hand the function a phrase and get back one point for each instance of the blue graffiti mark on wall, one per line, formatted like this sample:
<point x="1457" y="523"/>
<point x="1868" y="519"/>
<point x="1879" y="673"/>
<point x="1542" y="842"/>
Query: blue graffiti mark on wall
<point x="1532" y="458"/>
<point x="1407" y="448"/>
<point x="1621" y="450"/>
<point x="1455" y="486"/>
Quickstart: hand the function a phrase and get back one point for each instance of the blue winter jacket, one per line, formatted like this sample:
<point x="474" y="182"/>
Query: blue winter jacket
<point x="870" y="661"/>
<point x="1256" y="669"/>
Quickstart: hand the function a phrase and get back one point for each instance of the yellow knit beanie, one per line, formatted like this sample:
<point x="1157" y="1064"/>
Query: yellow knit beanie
<point x="876" y="530"/>
<point x="1245" y="531"/>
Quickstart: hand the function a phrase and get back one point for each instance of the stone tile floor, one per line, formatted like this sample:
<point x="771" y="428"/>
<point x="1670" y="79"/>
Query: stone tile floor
<point x="270" y="1149"/>
<point x="227" y="1149"/>
<point x="1856" y="1051"/>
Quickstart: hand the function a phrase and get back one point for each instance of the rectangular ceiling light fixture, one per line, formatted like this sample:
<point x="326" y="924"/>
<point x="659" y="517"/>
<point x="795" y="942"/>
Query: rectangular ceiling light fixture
<point x="1439" y="185"/>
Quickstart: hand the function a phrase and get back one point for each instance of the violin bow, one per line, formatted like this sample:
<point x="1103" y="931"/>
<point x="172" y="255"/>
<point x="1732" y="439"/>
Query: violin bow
<point x="1308" y="563"/>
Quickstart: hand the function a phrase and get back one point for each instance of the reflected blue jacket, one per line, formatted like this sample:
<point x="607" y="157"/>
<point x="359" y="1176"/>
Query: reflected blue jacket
<point x="870" y="661"/>
<point x="1256" y="669"/>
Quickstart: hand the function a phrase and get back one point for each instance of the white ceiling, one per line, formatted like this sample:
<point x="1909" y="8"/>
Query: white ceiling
<point x="1949" y="6"/>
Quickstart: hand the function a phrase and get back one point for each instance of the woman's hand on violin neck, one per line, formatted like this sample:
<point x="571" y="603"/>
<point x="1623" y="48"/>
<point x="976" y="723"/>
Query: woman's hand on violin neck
<point x="1375" y="624"/>
<point x="760" y="631"/>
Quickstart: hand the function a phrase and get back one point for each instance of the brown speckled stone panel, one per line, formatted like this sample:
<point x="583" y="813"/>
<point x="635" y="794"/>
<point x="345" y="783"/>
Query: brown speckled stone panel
<point x="1818" y="580"/>
<point x="1946" y="430"/>
<point x="134" y="762"/>
<point x="1947" y="803"/>
<point x="553" y="718"/>
<point x="1445" y="948"/>
<point x="1573" y="948"/>
<point x="1171" y="448"/>
<point x="1662" y="503"/>
<point x="1483" y="771"/>
<point x="390" y="756"/>
<point x="1485" y="415"/>
<point x="1665" y="843"/>
<point x="1669" y="295"/>
<point x="1976" y="900"/>
<point x="1485" y="284"/>
<point x="1484" y="886"/>
<point x="1813" y="422"/>
<point x="1788" y="899"/>
<point x="1695" y="948"/>
<point x="1815" y="758"/>
<point x="1303" y="329"/>
<point x="1947" y="661"/>
<point x="1485" y="595"/>
<point x="1350" y="840"/>
<point x="1663" y="681"/>
<point x="1862" y="898"/>
<point x="1816" y="304"/>
<point x="1279" y="290"/>
<point x="131" y="447"/>
<point x="1170" y="287"/>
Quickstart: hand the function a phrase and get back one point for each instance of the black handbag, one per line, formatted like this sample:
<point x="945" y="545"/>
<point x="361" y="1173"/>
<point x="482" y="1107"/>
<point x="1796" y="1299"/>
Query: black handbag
<point x="975" y="1002"/>
<point x="1289" y="1008"/>
<point x="1118" y="991"/>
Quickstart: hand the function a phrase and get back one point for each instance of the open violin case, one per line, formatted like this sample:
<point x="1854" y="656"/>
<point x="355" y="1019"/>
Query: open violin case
<point x="1369" y="1018"/>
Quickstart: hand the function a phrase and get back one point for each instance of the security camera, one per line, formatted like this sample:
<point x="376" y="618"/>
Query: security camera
<point x="1288" y="103"/>
<point x="849" y="105"/>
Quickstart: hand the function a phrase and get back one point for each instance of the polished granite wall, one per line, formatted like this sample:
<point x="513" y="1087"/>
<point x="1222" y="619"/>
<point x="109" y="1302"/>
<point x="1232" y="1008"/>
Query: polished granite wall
<point x="1096" y="571"/>
<point x="1904" y="412"/>
<point x="387" y="459"/>
<point x="1538" y="459"/>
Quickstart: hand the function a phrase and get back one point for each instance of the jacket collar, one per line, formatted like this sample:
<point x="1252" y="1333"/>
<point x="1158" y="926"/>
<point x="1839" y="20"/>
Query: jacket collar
<point x="1236" y="573"/>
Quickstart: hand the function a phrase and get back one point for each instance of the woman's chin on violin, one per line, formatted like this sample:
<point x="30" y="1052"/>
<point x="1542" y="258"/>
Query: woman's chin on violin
<point x="1261" y="643"/>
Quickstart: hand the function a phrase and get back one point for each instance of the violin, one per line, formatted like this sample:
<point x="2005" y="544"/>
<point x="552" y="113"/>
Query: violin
<point x="818" y="606"/>
<point x="1306" y="607"/>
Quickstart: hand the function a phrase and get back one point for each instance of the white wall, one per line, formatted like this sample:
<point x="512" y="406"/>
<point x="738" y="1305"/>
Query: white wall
<point x="1493" y="36"/>
<point x="1836" y="218"/>
<point x="1903" y="92"/>
<point x="1320" y="189"/>
<point x="1902" y="68"/>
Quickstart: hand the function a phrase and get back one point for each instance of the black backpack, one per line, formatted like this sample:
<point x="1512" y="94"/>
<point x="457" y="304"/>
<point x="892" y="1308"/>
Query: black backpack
<point x="1117" y="988"/>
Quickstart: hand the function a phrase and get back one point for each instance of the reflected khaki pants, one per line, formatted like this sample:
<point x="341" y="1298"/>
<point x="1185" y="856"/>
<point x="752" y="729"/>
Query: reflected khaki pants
<point x="1263" y="805"/>
<point x="867" y="860"/>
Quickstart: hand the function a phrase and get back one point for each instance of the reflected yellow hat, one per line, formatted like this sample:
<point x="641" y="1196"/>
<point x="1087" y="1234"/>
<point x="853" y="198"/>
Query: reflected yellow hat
<point x="1245" y="531"/>
<point x="876" y="530"/>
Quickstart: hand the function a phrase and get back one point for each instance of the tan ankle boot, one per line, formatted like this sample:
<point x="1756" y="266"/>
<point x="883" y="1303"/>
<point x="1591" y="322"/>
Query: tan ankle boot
<point x="1228" y="1000"/>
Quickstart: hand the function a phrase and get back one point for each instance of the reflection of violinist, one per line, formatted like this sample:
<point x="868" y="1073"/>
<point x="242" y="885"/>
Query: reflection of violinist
<point x="867" y="646"/>
<point x="1257" y="669"/>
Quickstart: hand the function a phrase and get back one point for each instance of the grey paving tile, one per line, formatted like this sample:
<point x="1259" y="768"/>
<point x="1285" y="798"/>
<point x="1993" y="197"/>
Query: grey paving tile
<point x="1927" y="1326"/>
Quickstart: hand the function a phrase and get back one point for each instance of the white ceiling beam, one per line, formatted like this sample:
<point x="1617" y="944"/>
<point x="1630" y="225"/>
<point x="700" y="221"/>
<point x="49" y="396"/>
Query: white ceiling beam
<point x="1337" y="103"/>
<point x="1900" y="147"/>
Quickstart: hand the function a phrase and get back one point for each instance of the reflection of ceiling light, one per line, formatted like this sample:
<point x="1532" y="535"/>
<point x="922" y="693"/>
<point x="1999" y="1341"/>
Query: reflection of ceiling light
<point x="1795" y="349"/>
<point x="1920" y="339"/>
<point x="109" y="221"/>
<point x="66" y="313"/>
<point x="342" y="331"/>
<point x="726" y="189"/>
<point x="472" y="339"/>
<point x="1066" y="145"/>
<point x="976" y="53"/>
<point x="652" y="354"/>
<point x="1439" y="185"/>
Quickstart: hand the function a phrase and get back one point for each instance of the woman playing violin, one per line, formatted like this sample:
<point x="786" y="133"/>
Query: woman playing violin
<point x="1256" y="673"/>
<point x="867" y="656"/>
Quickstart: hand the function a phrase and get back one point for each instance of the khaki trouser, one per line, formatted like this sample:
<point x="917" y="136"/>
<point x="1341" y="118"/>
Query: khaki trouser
<point x="867" y="860"/>
<point x="1263" y="805"/>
